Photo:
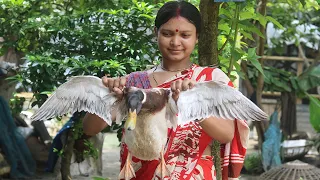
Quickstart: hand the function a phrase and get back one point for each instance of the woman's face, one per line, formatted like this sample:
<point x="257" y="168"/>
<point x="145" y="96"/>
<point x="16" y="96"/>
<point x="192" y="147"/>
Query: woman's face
<point x="176" y="39"/>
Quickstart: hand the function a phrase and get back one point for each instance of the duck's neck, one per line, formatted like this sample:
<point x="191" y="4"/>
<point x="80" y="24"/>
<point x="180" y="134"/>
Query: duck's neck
<point x="149" y="137"/>
<point x="151" y="124"/>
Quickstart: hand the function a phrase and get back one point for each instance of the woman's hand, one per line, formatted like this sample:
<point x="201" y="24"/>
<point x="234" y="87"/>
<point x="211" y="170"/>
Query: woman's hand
<point x="115" y="84"/>
<point x="181" y="85"/>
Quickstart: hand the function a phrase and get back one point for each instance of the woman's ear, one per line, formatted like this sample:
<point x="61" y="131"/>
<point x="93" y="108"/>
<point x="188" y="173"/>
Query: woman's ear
<point x="155" y="31"/>
<point x="197" y="36"/>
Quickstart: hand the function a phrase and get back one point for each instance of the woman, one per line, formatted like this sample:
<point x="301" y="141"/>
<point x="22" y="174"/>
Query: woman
<point x="188" y="155"/>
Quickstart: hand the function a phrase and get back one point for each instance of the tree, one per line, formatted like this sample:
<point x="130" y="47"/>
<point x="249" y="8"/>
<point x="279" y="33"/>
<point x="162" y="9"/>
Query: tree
<point x="62" y="39"/>
<point x="290" y="16"/>
<point x="208" y="46"/>
<point x="208" y="51"/>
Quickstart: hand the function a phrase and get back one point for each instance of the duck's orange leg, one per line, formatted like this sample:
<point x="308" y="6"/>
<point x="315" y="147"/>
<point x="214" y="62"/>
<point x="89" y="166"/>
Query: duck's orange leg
<point x="162" y="167"/>
<point x="127" y="172"/>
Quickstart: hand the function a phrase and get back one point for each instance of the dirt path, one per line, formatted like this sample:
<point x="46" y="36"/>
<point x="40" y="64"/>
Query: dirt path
<point x="111" y="163"/>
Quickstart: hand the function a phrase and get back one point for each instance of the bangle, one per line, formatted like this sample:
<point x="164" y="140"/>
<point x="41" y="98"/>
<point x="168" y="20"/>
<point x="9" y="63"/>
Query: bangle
<point x="200" y="120"/>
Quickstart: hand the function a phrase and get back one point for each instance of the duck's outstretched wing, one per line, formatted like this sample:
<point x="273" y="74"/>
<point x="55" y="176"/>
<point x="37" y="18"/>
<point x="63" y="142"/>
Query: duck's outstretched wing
<point x="212" y="98"/>
<point x="79" y="93"/>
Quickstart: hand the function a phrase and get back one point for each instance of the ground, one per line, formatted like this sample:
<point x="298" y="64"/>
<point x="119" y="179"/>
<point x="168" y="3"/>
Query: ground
<point x="111" y="152"/>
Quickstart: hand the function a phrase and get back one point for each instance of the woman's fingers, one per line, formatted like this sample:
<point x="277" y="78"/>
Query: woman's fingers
<point x="176" y="88"/>
<point x="119" y="92"/>
<point x="175" y="94"/>
<point x="123" y="81"/>
<point x="176" y="85"/>
<point x="115" y="84"/>
<point x="191" y="84"/>
<point x="185" y="84"/>
<point x="105" y="80"/>
<point x="181" y="85"/>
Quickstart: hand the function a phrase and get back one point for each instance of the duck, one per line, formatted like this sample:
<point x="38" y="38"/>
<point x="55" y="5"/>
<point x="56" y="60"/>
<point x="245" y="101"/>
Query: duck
<point x="148" y="113"/>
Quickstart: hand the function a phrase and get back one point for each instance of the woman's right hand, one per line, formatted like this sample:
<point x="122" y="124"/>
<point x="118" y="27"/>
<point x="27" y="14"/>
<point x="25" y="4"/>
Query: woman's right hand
<point x="116" y="85"/>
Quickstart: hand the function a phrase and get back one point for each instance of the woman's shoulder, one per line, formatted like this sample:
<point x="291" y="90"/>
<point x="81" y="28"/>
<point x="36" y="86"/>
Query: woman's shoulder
<point x="138" y="79"/>
<point x="136" y="74"/>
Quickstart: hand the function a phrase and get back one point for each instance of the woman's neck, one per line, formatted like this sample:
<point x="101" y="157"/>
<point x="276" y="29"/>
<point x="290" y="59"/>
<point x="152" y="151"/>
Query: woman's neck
<point x="175" y="66"/>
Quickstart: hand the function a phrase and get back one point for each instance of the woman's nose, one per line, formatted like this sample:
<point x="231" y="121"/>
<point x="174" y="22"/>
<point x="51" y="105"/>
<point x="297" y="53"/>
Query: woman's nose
<point x="175" y="41"/>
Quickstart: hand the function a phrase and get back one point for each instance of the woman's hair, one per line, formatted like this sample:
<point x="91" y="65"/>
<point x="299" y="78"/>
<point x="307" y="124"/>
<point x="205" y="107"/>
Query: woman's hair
<point x="175" y="9"/>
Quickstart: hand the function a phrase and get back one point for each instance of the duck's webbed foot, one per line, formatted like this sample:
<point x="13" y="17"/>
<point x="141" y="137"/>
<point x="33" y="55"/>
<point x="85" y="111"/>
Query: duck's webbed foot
<point x="162" y="167"/>
<point x="127" y="172"/>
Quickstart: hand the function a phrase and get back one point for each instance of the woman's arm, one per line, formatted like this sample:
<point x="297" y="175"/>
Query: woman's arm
<point x="219" y="129"/>
<point x="93" y="124"/>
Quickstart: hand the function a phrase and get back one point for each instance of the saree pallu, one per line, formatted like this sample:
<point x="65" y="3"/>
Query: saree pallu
<point x="184" y="152"/>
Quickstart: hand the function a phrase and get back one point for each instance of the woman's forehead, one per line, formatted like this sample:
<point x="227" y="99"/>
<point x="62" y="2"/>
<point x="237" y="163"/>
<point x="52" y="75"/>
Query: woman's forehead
<point x="180" y="23"/>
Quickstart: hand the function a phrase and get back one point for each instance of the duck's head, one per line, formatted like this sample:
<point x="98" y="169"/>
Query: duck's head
<point x="134" y="99"/>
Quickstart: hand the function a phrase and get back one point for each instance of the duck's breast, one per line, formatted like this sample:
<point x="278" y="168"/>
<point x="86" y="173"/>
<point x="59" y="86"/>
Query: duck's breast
<point x="149" y="137"/>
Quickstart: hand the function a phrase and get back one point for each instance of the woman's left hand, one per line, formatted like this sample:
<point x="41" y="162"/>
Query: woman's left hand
<point x="181" y="85"/>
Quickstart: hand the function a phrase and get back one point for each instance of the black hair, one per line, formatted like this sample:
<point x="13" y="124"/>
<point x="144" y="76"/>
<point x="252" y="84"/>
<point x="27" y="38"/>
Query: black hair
<point x="174" y="8"/>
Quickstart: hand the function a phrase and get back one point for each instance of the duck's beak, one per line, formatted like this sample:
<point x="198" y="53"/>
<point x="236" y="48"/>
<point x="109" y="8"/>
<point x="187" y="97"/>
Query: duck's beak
<point x="131" y="121"/>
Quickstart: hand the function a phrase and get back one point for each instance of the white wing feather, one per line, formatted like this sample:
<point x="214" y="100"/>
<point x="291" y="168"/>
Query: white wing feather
<point x="79" y="93"/>
<point x="213" y="99"/>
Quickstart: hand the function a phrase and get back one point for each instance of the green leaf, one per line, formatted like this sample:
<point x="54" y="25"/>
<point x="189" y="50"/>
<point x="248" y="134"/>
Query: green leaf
<point x="46" y="92"/>
<point x="310" y="78"/>
<point x="246" y="15"/>
<point x="113" y="12"/>
<point x="147" y="16"/>
<point x="282" y="85"/>
<point x="303" y="2"/>
<point x="294" y="83"/>
<point x="224" y="27"/>
<point x="314" y="109"/>
<point x="253" y="58"/>
<point x="251" y="29"/>
<point x="247" y="35"/>
<point x="225" y="12"/>
<point x="236" y="55"/>
<point x="275" y="22"/>
<point x="262" y="19"/>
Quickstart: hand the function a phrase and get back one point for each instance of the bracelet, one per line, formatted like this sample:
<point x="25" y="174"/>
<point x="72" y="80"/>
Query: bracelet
<point x="200" y="120"/>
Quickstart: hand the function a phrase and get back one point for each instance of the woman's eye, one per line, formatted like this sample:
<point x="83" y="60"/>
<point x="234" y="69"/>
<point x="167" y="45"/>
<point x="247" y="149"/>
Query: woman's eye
<point x="185" y="35"/>
<point x="166" y="34"/>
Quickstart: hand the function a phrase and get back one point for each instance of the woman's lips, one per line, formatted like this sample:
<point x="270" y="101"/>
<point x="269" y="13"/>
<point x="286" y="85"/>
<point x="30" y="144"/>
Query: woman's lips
<point x="175" y="51"/>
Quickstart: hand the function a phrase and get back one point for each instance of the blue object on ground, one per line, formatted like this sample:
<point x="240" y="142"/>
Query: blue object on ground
<point x="271" y="145"/>
<point x="14" y="146"/>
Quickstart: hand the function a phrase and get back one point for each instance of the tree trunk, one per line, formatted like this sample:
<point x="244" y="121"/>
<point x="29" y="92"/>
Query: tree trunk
<point x="11" y="56"/>
<point x="288" y="113"/>
<point x="208" y="46"/>
<point x="66" y="156"/>
<point x="260" y="52"/>
<point x="208" y="55"/>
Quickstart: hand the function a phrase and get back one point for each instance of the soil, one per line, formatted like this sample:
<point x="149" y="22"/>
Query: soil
<point x="111" y="164"/>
